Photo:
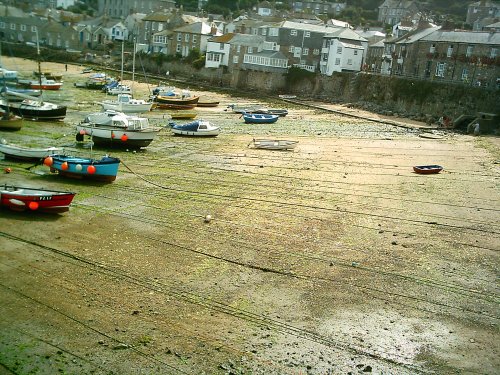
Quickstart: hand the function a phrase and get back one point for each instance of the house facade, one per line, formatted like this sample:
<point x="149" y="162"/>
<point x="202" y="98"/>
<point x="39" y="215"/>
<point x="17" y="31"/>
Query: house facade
<point x="122" y="8"/>
<point x="343" y="50"/>
<point x="393" y="11"/>
<point x="193" y="36"/>
<point x="318" y="7"/>
<point x="155" y="29"/>
<point x="482" y="9"/>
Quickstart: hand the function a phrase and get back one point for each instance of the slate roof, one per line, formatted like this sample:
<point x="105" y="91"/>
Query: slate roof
<point x="416" y="34"/>
<point x="308" y="27"/>
<point x="473" y="37"/>
<point x="195" y="28"/>
<point x="346" y="34"/>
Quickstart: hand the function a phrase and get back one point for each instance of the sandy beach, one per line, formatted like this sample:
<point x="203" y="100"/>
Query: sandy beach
<point x="333" y="258"/>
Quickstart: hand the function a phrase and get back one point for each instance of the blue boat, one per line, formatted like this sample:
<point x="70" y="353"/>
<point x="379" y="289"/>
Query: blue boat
<point x="256" y="118"/>
<point x="196" y="128"/>
<point x="104" y="169"/>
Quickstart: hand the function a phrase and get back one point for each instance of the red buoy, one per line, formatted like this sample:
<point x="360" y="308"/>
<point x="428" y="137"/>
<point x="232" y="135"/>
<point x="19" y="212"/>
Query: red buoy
<point x="48" y="161"/>
<point x="91" y="169"/>
<point x="64" y="166"/>
<point x="33" y="206"/>
<point x="124" y="137"/>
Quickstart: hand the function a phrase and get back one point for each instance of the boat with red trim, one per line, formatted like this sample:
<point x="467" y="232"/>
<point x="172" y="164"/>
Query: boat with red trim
<point x="19" y="198"/>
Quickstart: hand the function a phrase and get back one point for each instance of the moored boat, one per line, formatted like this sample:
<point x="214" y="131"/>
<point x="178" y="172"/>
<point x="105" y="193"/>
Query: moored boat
<point x="204" y="102"/>
<point x="427" y="169"/>
<point x="254" y="118"/>
<point x="275" y="144"/>
<point x="35" y="109"/>
<point x="19" y="198"/>
<point x="27" y="153"/>
<point x="117" y="129"/>
<point x="104" y="169"/>
<point x="42" y="84"/>
<point x="125" y="103"/>
<point x="173" y="97"/>
<point x="198" y="128"/>
<point x="9" y="121"/>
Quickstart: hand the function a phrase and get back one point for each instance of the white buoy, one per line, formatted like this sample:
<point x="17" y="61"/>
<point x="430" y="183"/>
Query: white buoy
<point x="208" y="218"/>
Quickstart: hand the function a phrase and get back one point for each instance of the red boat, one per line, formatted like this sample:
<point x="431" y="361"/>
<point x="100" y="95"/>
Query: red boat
<point x="43" y="84"/>
<point x="427" y="169"/>
<point x="28" y="199"/>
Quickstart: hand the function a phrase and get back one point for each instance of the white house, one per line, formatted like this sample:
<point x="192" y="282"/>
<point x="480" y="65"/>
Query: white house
<point x="115" y="30"/>
<point x="343" y="50"/>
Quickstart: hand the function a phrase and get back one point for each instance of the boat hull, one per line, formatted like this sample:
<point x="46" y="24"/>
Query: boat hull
<point x="260" y="119"/>
<point x="104" y="169"/>
<point x="11" y="124"/>
<point x="274" y="144"/>
<point x="35" y="113"/>
<point x="126" y="108"/>
<point x="27" y="153"/>
<point x="36" y="200"/>
<point x="192" y="100"/>
<point x="427" y="169"/>
<point x="208" y="133"/>
<point x="106" y="135"/>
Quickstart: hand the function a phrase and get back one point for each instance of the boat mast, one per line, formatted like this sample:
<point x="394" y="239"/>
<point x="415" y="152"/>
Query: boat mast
<point x="133" y="67"/>
<point x="121" y="73"/>
<point x="39" y="64"/>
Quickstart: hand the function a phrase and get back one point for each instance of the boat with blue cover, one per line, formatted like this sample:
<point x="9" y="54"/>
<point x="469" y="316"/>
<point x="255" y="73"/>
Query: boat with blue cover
<point x="104" y="169"/>
<point x="198" y="128"/>
<point x="254" y="118"/>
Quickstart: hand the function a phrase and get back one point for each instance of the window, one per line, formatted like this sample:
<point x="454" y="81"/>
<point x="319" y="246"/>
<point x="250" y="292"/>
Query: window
<point x="194" y="38"/>
<point x="264" y="31"/>
<point x="23" y="27"/>
<point x="186" y="38"/>
<point x="160" y="39"/>
<point x="339" y="49"/>
<point x="12" y="26"/>
<point x="465" y="75"/>
<point x="95" y="38"/>
<point x="291" y="49"/>
<point x="316" y="51"/>
<point x="432" y="49"/>
<point x="179" y="37"/>
<point x="160" y="27"/>
<point x="250" y="49"/>
<point x="337" y="61"/>
<point x="178" y="48"/>
<point x="221" y="45"/>
<point x="33" y="28"/>
<point x="88" y="37"/>
<point x="293" y="32"/>
<point x="238" y="48"/>
<point x="449" y="53"/>
<point x="273" y="31"/>
<point x="307" y="34"/>
<point x="235" y="59"/>
<point x="349" y="61"/>
<point x="355" y="52"/>
<point x="469" y="51"/>
<point x="297" y="52"/>
<point x="440" y="69"/>
<point x="494" y="52"/>
<point x="2" y="25"/>
<point x="305" y="51"/>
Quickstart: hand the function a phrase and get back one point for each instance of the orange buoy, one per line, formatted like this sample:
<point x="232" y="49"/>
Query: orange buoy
<point x="8" y="170"/>
<point x="124" y="137"/>
<point x="91" y="169"/>
<point x="83" y="132"/>
<point x="64" y="166"/>
<point x="48" y="161"/>
<point x="33" y="206"/>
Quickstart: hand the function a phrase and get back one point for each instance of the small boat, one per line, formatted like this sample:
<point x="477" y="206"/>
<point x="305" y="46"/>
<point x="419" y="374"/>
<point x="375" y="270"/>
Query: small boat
<point x="35" y="109"/>
<point x="285" y="96"/>
<point x="198" y="128"/>
<point x="48" y="74"/>
<point x="42" y="84"/>
<point x="19" y="198"/>
<point x="427" y="169"/>
<point x="104" y="169"/>
<point x="117" y="129"/>
<point x="203" y="102"/>
<point x="258" y="110"/>
<point x="275" y="144"/>
<point x="125" y="103"/>
<point x="9" y="93"/>
<point x="119" y="89"/>
<point x="173" y="97"/>
<point x="174" y="106"/>
<point x="8" y="75"/>
<point x="27" y="153"/>
<point x="87" y="70"/>
<point x="254" y="118"/>
<point x="9" y="121"/>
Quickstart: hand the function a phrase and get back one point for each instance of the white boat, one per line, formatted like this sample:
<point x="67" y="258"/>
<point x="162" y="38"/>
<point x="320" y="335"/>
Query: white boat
<point x="27" y="153"/>
<point x="125" y="103"/>
<point x="275" y="144"/>
<point x="8" y="75"/>
<point x="117" y="129"/>
<point x="199" y="128"/>
<point x="119" y="89"/>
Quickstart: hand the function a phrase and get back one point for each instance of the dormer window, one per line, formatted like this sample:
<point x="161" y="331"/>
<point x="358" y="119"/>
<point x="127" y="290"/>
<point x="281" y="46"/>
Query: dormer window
<point x="293" y="32"/>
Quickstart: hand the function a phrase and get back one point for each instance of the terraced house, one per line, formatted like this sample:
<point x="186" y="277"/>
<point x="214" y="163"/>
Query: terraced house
<point x="194" y="36"/>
